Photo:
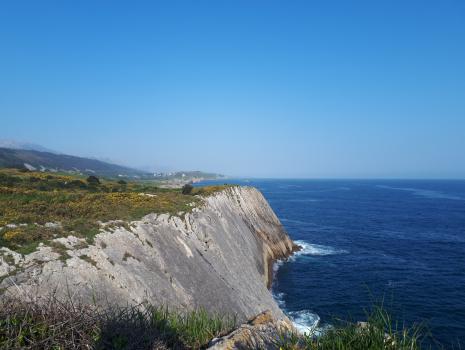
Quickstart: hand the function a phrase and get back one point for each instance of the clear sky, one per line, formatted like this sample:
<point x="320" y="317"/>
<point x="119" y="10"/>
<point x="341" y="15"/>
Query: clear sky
<point x="249" y="88"/>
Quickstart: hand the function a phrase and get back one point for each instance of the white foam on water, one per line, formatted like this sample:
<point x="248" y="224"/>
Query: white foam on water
<point x="279" y="297"/>
<point x="276" y="265"/>
<point x="308" y="249"/>
<point x="315" y="250"/>
<point x="306" y="322"/>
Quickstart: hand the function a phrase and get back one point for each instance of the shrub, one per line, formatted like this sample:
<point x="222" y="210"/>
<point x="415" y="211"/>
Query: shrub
<point x="187" y="189"/>
<point x="34" y="179"/>
<point x="53" y="324"/>
<point x="122" y="182"/>
<point x="93" y="180"/>
<point x="77" y="184"/>
<point x="47" y="326"/>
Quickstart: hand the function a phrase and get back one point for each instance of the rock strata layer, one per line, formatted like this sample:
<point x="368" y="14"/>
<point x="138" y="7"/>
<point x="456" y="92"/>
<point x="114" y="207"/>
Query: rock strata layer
<point x="261" y="332"/>
<point x="217" y="257"/>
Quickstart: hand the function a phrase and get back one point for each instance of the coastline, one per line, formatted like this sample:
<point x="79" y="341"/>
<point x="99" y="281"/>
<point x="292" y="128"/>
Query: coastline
<point x="150" y="259"/>
<point x="272" y="260"/>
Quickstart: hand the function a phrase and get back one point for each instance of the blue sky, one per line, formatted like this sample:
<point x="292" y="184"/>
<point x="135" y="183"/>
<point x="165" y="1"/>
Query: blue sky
<point x="250" y="88"/>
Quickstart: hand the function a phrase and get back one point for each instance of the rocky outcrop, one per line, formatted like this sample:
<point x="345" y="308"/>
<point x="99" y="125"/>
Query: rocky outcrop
<point x="217" y="257"/>
<point x="261" y="332"/>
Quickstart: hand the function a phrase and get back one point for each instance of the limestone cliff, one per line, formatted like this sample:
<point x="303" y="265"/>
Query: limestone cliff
<point x="218" y="257"/>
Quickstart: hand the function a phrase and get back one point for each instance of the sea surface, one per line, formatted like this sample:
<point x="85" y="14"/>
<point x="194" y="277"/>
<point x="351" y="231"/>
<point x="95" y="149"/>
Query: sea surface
<point x="401" y="241"/>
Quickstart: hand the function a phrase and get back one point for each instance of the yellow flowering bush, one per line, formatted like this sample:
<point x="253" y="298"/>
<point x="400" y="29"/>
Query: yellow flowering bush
<point x="12" y="234"/>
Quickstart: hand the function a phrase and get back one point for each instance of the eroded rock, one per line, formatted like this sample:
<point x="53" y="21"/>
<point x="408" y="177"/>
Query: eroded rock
<point x="261" y="332"/>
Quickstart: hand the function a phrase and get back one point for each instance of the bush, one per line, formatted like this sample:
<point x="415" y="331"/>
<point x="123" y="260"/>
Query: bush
<point x="76" y="184"/>
<point x="187" y="189"/>
<point x="57" y="325"/>
<point x="48" y="326"/>
<point x="122" y="182"/>
<point x="93" y="180"/>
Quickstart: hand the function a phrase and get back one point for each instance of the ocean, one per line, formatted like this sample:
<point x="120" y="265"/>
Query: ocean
<point x="366" y="241"/>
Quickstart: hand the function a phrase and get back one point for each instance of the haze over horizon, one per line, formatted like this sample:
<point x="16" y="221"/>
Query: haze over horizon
<point x="262" y="89"/>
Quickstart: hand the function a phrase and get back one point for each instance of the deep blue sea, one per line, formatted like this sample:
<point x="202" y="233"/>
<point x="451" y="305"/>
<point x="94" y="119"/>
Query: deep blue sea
<point x="366" y="240"/>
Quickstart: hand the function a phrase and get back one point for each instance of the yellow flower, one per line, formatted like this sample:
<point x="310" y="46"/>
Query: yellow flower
<point x="10" y="235"/>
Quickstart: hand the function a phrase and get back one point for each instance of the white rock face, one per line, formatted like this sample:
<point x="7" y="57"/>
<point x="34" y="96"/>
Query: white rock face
<point x="216" y="257"/>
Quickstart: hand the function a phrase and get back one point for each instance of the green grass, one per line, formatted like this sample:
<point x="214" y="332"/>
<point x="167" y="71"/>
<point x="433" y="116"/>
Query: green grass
<point x="56" y="325"/>
<point x="35" y="198"/>
<point x="193" y="329"/>
<point x="379" y="332"/>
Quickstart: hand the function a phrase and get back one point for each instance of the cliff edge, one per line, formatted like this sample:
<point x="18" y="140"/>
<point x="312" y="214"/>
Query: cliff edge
<point x="218" y="257"/>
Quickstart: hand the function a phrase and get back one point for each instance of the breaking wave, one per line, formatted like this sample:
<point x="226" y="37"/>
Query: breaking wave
<point x="315" y="250"/>
<point x="305" y="321"/>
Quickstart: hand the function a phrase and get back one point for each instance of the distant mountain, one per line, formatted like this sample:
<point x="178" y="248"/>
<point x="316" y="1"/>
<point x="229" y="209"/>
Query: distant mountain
<point x="48" y="161"/>
<point x="16" y="154"/>
<point x="13" y="144"/>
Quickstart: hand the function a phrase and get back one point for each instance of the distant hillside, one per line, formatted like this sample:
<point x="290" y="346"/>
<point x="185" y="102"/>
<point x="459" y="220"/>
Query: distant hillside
<point x="54" y="162"/>
<point x="13" y="144"/>
<point x="46" y="161"/>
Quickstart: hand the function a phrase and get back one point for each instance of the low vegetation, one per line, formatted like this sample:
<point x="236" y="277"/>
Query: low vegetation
<point x="187" y="189"/>
<point x="379" y="332"/>
<point x="56" y="325"/>
<point x="30" y="202"/>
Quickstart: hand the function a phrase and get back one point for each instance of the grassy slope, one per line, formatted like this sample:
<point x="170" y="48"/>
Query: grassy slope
<point x="29" y="200"/>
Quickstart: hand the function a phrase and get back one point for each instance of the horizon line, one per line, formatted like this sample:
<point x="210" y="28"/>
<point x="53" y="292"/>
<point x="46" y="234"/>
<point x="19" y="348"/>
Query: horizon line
<point x="343" y="178"/>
